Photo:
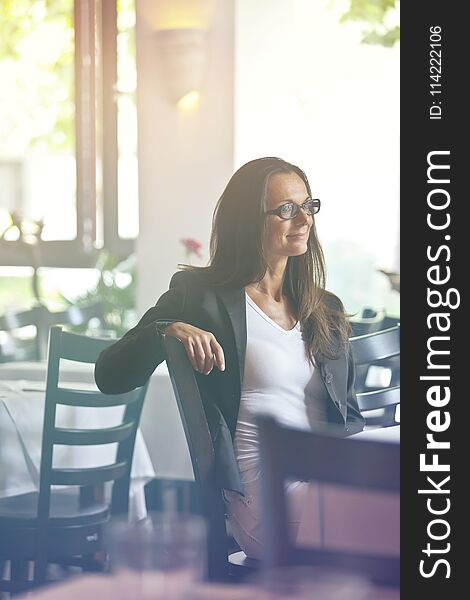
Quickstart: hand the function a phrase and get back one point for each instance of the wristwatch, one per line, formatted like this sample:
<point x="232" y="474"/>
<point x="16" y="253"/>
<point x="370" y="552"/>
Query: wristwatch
<point x="160" y="326"/>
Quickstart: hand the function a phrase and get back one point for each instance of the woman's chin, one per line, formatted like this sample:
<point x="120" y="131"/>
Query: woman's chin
<point x="298" y="248"/>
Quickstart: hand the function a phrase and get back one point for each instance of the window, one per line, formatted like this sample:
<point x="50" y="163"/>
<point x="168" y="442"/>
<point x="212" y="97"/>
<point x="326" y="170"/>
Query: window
<point x="68" y="167"/>
<point x="307" y="90"/>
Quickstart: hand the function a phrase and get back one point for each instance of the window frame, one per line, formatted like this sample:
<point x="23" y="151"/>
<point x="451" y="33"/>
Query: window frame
<point x="92" y="104"/>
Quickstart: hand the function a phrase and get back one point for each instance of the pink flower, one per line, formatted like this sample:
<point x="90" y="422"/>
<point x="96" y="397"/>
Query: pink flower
<point x="192" y="246"/>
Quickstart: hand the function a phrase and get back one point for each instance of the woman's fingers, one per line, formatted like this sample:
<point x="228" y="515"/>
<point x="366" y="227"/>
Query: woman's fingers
<point x="218" y="354"/>
<point x="208" y="355"/>
<point x="200" y="355"/>
<point x="202" y="348"/>
<point x="189" y="346"/>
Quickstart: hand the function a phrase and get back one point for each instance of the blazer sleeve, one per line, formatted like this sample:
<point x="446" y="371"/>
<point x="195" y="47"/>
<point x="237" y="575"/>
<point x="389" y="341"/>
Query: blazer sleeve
<point x="129" y="362"/>
<point x="354" y="420"/>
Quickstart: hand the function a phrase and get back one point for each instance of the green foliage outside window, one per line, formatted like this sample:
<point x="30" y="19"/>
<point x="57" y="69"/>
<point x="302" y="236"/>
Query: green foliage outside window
<point x="115" y="288"/>
<point x="36" y="65"/>
<point x="376" y="14"/>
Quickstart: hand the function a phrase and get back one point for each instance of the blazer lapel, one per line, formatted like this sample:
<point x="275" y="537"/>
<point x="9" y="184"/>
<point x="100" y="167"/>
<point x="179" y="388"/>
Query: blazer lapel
<point x="234" y="301"/>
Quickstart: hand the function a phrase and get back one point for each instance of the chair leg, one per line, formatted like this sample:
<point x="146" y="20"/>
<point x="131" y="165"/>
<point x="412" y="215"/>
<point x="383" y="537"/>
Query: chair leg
<point x="19" y="574"/>
<point x="40" y="570"/>
<point x="217" y="544"/>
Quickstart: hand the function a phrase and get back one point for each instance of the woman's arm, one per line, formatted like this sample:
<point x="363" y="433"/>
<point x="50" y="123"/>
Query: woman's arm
<point x="129" y="362"/>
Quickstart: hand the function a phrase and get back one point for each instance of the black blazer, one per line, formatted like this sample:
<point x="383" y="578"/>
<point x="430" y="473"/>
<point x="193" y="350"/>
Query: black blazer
<point x="129" y="362"/>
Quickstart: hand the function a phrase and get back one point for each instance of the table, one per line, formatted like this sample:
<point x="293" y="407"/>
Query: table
<point x="171" y="586"/>
<point x="21" y="425"/>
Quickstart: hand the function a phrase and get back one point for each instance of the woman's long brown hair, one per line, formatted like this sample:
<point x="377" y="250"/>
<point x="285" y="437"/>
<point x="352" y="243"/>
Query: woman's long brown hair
<point x="237" y="258"/>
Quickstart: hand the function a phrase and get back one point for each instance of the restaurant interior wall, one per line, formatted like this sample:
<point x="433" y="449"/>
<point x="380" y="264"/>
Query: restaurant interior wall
<point x="185" y="156"/>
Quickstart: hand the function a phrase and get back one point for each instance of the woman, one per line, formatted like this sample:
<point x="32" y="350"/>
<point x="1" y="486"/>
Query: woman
<point x="259" y="329"/>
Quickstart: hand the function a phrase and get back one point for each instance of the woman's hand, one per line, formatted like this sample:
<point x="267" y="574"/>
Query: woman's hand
<point x="201" y="346"/>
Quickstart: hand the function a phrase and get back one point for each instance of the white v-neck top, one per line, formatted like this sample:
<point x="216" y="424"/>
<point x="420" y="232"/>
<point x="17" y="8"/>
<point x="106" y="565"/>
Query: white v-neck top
<point x="279" y="380"/>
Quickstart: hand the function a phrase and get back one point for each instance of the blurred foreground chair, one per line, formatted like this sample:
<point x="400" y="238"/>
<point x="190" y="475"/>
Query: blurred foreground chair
<point x="380" y="351"/>
<point x="25" y="334"/>
<point x="201" y="449"/>
<point x="289" y="454"/>
<point x="65" y="525"/>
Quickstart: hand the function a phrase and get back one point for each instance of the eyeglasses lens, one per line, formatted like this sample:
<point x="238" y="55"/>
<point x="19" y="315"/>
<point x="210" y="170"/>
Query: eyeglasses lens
<point x="290" y="210"/>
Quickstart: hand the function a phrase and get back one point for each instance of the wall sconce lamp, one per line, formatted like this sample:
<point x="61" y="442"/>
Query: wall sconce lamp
<point x="181" y="27"/>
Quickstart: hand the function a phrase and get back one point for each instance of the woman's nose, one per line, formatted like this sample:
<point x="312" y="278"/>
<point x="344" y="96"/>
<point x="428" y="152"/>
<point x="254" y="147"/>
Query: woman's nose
<point x="302" y="216"/>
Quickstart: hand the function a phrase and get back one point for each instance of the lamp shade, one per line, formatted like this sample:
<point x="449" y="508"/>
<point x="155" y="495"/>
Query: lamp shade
<point x="183" y="58"/>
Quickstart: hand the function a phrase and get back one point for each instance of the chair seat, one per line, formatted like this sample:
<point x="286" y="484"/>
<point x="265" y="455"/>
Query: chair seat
<point x="21" y="511"/>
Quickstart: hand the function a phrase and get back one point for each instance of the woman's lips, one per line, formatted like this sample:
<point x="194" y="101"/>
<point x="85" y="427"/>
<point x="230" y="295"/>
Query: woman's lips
<point x="297" y="235"/>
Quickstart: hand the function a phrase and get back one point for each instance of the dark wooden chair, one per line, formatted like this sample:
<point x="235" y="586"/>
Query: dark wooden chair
<point x="380" y="350"/>
<point x="370" y="320"/>
<point x="289" y="454"/>
<point x="211" y="505"/>
<point x="59" y="524"/>
<point x="24" y="347"/>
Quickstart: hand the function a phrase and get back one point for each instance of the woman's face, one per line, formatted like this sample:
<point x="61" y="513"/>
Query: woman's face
<point x="286" y="238"/>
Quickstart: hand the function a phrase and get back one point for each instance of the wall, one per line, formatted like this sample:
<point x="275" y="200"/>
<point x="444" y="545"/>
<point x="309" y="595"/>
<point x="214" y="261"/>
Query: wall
<point x="185" y="158"/>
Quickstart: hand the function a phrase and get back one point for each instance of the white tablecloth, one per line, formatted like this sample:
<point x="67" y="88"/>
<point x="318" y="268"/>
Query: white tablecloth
<point x="21" y="425"/>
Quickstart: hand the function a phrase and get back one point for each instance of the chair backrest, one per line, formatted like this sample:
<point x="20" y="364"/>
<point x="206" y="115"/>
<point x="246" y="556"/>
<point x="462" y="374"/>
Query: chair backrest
<point x="69" y="346"/>
<point x="370" y="321"/>
<point x="32" y="348"/>
<point x="201" y="450"/>
<point x="289" y="454"/>
<point x="379" y="350"/>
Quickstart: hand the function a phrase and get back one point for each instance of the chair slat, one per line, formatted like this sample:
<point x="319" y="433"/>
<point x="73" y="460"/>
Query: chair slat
<point x="376" y="346"/>
<point x="92" y="399"/>
<point x="379" y="398"/>
<point x="88" y="476"/>
<point x="81" y="348"/>
<point x="91" y="437"/>
<point x="378" y="349"/>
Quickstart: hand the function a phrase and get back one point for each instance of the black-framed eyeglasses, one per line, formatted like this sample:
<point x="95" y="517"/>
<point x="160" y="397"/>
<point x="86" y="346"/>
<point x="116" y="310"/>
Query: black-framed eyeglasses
<point x="289" y="210"/>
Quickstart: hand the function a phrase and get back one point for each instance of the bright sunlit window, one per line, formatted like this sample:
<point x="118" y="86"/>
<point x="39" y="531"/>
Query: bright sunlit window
<point x="68" y="132"/>
<point x="37" y="135"/>
<point x="68" y="145"/>
<point x="309" y="91"/>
